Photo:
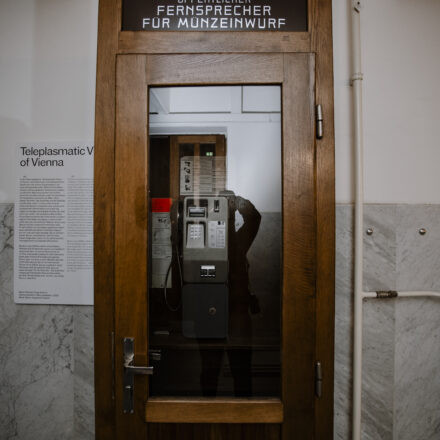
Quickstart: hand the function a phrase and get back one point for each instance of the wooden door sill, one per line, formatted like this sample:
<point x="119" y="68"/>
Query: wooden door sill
<point x="213" y="410"/>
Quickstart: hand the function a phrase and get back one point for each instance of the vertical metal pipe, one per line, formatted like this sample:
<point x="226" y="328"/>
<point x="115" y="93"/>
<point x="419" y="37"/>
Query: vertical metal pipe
<point x="358" y="235"/>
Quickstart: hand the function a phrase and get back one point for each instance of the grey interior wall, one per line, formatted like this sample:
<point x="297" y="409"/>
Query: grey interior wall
<point x="46" y="352"/>
<point x="264" y="258"/>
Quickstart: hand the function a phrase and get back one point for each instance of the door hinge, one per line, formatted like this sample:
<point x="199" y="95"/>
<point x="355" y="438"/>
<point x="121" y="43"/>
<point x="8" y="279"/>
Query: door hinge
<point x="318" y="379"/>
<point x="319" y="122"/>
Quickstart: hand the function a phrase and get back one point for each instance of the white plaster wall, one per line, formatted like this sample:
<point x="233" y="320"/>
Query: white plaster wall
<point x="401" y="63"/>
<point x="47" y="76"/>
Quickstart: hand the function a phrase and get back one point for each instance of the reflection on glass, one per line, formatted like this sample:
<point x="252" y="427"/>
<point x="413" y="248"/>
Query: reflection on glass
<point x="215" y="257"/>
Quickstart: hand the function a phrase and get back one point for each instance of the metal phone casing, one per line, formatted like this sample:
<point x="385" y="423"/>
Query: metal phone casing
<point x="205" y="311"/>
<point x="215" y="251"/>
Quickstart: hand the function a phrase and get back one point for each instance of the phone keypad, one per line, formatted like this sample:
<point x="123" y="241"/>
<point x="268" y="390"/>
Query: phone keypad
<point x="195" y="232"/>
<point x="195" y="236"/>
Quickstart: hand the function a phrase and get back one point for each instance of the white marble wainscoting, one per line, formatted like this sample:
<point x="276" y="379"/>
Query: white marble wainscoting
<point x="401" y="356"/>
<point x="378" y="354"/>
<point x="417" y="362"/>
<point x="46" y="352"/>
<point x="46" y="361"/>
<point x="83" y="378"/>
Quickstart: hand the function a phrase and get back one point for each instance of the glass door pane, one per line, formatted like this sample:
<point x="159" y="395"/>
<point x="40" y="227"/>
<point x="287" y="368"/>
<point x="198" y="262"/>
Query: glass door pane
<point x="215" y="242"/>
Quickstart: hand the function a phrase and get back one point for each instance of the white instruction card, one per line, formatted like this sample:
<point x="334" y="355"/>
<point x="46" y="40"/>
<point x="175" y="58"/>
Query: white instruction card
<point x="161" y="249"/>
<point x="202" y="175"/>
<point x="53" y="221"/>
<point x="217" y="234"/>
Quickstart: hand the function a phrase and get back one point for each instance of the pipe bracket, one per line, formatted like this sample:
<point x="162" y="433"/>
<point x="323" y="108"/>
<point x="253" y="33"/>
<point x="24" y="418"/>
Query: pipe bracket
<point x="358" y="76"/>
<point x="357" y="5"/>
<point x="387" y="294"/>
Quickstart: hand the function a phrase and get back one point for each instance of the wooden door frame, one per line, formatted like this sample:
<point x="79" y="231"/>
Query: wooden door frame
<point x="135" y="74"/>
<point x="111" y="42"/>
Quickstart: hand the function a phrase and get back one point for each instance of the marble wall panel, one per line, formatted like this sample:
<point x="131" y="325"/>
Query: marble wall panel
<point x="378" y="369"/>
<point x="36" y="358"/>
<point x="46" y="352"/>
<point x="418" y="256"/>
<point x="417" y="372"/>
<point x="84" y="410"/>
<point x="343" y="322"/>
<point x="378" y="323"/>
<point x="380" y="247"/>
<point x="46" y="361"/>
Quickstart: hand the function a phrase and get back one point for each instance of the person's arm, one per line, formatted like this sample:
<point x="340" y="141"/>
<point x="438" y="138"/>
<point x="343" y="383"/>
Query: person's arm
<point x="252" y="219"/>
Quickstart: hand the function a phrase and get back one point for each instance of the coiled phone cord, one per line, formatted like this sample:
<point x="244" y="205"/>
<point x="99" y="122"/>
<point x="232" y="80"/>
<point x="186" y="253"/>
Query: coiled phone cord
<point x="169" y="306"/>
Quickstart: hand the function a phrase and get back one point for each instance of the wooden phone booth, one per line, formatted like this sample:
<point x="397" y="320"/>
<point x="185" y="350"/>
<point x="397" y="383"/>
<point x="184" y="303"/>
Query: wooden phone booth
<point x="214" y="313"/>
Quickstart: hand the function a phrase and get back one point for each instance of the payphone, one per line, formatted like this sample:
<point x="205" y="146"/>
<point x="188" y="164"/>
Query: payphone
<point x="205" y="267"/>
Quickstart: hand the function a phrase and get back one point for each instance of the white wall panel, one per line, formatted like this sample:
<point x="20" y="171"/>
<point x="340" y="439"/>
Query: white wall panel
<point x="261" y="99"/>
<point x="47" y="76"/>
<point x="200" y="100"/>
<point x="401" y="93"/>
<point x="47" y="90"/>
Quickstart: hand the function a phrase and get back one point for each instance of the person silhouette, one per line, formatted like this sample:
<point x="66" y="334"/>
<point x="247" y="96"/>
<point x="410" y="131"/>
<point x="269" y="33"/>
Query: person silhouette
<point x="244" y="222"/>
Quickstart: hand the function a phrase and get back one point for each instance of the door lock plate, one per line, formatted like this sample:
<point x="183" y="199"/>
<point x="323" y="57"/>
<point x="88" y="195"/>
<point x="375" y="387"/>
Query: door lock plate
<point x="129" y="372"/>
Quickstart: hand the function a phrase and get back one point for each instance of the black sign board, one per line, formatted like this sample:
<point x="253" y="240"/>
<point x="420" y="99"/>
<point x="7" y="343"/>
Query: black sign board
<point x="214" y="15"/>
